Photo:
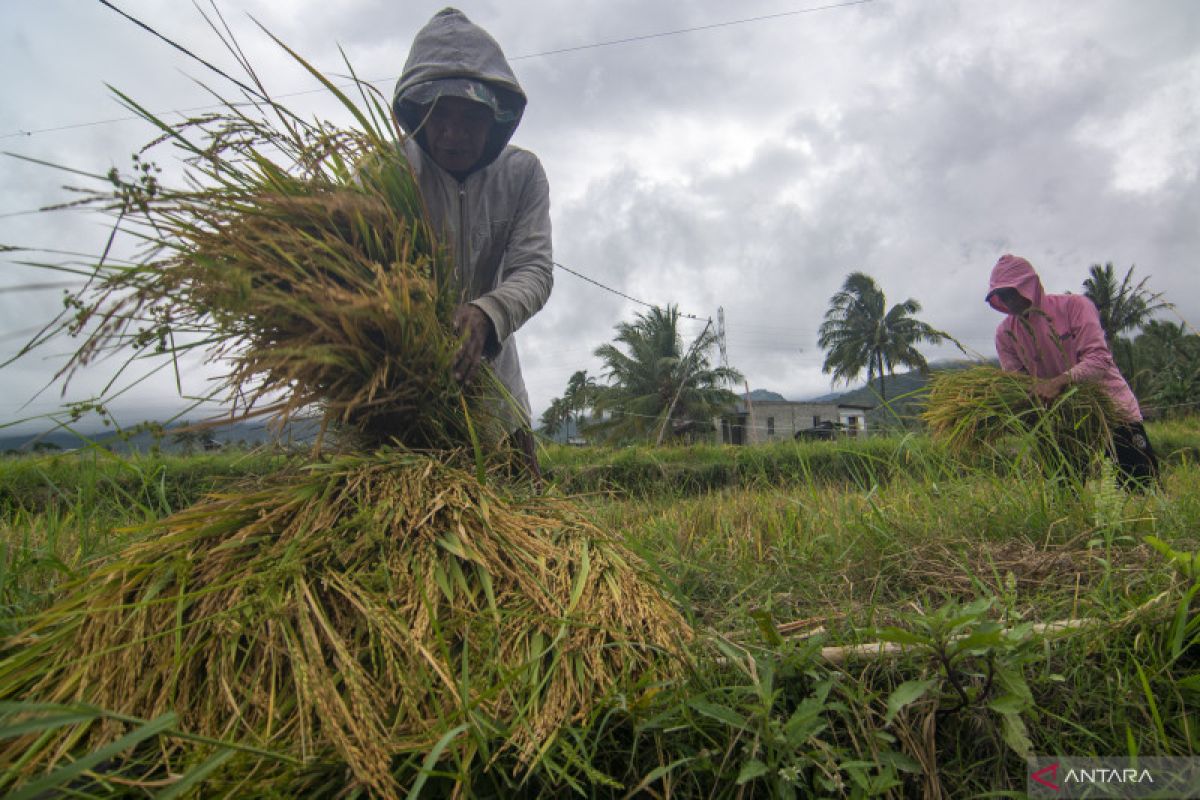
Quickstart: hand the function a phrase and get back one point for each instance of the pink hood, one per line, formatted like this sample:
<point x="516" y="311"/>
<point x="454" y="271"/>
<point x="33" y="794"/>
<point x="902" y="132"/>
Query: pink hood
<point x="1060" y="333"/>
<point x="1014" y="272"/>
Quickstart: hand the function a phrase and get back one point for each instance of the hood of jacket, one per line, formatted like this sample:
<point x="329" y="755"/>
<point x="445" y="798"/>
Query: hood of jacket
<point x="1014" y="272"/>
<point x="451" y="46"/>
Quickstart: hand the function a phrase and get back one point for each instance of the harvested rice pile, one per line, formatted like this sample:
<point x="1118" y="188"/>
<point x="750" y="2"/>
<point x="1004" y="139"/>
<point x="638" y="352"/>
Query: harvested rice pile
<point x="348" y="620"/>
<point x="365" y="606"/>
<point x="977" y="407"/>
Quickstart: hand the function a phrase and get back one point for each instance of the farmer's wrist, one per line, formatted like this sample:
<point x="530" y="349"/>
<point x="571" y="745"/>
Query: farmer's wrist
<point x="487" y="328"/>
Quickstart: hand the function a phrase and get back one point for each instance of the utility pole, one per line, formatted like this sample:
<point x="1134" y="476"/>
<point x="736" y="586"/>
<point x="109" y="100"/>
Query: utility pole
<point x="721" y="336"/>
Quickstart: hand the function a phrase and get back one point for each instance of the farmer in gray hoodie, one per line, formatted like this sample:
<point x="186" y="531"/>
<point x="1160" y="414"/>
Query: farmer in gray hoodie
<point x="460" y="103"/>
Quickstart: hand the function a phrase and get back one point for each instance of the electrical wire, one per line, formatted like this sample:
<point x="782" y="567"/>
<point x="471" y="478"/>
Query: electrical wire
<point x="619" y="293"/>
<point x="680" y="31"/>
<point x="39" y="287"/>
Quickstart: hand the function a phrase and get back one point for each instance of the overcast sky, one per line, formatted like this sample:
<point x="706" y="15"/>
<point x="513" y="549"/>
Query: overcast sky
<point x="749" y="165"/>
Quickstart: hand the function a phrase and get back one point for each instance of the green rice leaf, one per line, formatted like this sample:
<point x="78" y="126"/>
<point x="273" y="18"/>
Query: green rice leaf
<point x="431" y="759"/>
<point x="65" y="775"/>
<point x="195" y="776"/>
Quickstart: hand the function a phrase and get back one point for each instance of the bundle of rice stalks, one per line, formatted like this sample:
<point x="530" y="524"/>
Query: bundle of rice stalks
<point x="298" y="257"/>
<point x="355" y="612"/>
<point x="977" y="407"/>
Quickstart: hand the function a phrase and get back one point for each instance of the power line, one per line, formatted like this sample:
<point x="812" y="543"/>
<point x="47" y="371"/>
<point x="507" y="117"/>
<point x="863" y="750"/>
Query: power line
<point x="24" y="333"/>
<point x="619" y="293"/>
<point x="526" y="56"/>
<point x="680" y="31"/>
<point x="39" y="287"/>
<point x="30" y="212"/>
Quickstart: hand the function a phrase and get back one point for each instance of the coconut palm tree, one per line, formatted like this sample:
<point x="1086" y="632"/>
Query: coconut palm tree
<point x="1122" y="308"/>
<point x="657" y="383"/>
<point x="579" y="396"/>
<point x="555" y="417"/>
<point x="858" y="333"/>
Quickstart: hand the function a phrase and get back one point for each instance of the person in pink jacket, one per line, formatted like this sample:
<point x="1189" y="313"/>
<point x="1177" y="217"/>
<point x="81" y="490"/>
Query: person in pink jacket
<point x="1057" y="339"/>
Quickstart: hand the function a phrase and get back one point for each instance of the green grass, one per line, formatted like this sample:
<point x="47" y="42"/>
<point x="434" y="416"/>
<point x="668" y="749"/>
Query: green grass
<point x="699" y="469"/>
<point x="778" y="551"/>
<point x="645" y="472"/>
<point x="59" y="513"/>
<point x="106" y="485"/>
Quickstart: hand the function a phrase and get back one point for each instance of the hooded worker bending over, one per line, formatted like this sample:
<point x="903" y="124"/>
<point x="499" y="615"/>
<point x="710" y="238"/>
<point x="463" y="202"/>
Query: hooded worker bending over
<point x="1057" y="338"/>
<point x="460" y="103"/>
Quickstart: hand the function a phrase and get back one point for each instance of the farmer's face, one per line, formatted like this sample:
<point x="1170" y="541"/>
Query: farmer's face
<point x="456" y="133"/>
<point x="1013" y="300"/>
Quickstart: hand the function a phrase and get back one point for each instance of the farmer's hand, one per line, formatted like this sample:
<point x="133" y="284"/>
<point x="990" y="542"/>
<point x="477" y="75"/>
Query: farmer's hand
<point x="1051" y="388"/>
<point x="475" y="329"/>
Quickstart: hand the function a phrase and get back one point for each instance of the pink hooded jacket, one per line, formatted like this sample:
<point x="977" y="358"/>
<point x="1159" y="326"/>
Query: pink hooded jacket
<point x="1059" y="333"/>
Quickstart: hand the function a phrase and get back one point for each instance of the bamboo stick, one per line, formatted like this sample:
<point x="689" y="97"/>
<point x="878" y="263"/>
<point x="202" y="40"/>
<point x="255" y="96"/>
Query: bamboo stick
<point x="837" y="654"/>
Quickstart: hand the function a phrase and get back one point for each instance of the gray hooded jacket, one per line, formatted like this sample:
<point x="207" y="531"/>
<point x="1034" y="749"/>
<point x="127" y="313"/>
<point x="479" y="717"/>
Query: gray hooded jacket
<point x="497" y="220"/>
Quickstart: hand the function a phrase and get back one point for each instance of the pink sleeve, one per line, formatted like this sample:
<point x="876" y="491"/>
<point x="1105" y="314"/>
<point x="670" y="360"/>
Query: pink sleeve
<point x="1091" y="348"/>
